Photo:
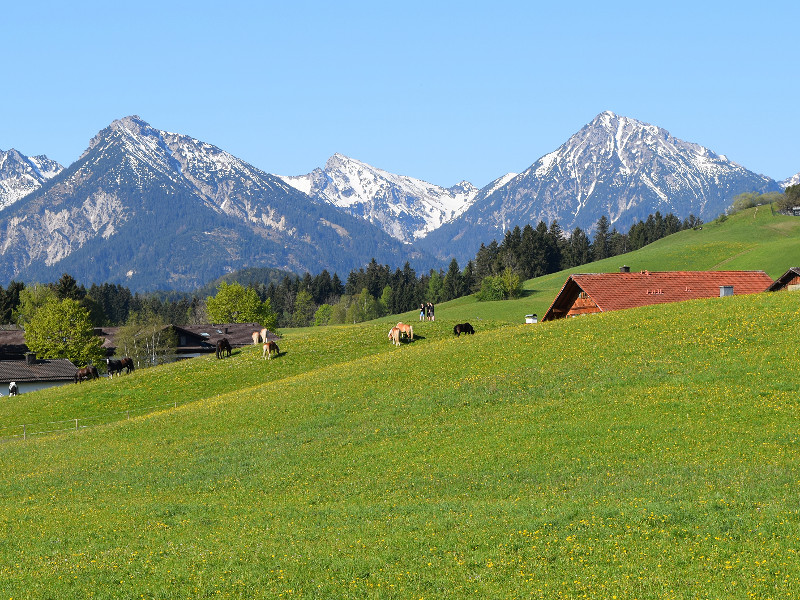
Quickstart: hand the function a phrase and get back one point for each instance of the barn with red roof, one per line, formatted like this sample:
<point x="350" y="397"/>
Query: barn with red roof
<point x="788" y="281"/>
<point x="589" y="293"/>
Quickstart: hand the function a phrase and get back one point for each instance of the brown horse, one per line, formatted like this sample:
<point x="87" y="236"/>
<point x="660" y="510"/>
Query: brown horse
<point x="269" y="347"/>
<point x="406" y="330"/>
<point x="87" y="373"/>
<point x="394" y="336"/>
<point x="127" y="364"/>
<point x="223" y="348"/>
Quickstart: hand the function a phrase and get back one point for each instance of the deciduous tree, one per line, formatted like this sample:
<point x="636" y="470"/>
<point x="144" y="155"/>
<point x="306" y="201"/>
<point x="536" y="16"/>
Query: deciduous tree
<point x="62" y="329"/>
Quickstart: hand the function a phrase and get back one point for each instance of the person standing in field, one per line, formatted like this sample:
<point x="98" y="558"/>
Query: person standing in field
<point x="422" y="311"/>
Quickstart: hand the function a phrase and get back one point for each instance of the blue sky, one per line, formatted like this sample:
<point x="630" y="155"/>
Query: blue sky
<point x="441" y="91"/>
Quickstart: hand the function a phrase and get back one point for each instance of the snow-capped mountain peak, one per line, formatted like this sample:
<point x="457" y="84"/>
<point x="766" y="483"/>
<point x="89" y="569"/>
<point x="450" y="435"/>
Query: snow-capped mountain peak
<point x="20" y="175"/>
<point x="405" y="207"/>
<point x="793" y="180"/>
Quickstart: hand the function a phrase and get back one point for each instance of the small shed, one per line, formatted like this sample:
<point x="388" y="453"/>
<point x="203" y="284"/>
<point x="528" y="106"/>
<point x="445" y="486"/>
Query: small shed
<point x="35" y="374"/>
<point x="789" y="281"/>
<point x="589" y="293"/>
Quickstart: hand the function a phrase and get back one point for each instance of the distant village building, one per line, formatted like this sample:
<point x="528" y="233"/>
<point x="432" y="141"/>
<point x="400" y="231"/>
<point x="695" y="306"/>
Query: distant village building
<point x="192" y="340"/>
<point x="35" y="374"/>
<point x="589" y="293"/>
<point x="789" y="281"/>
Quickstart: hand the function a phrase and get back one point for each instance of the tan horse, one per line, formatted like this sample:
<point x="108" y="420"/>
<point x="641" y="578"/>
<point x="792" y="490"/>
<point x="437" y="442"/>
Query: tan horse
<point x="256" y="338"/>
<point x="394" y="336"/>
<point x="269" y="347"/>
<point x="406" y="330"/>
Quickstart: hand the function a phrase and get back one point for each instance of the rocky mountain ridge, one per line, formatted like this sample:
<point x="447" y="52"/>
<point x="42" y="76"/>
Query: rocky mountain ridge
<point x="405" y="208"/>
<point x="21" y="175"/>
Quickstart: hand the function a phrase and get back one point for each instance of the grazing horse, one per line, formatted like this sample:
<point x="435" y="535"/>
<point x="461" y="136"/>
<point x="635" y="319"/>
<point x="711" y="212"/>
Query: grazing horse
<point x="256" y="337"/>
<point x="114" y="366"/>
<point x="463" y="328"/>
<point x="127" y="364"/>
<point x="223" y="346"/>
<point x="87" y="373"/>
<point x="269" y="347"/>
<point x="406" y="330"/>
<point x="394" y="336"/>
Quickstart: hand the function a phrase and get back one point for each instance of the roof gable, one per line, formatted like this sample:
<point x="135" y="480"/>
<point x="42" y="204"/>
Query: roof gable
<point x="781" y="282"/>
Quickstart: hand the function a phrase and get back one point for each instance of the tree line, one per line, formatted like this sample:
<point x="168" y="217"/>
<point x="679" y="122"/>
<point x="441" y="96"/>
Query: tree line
<point x="495" y="273"/>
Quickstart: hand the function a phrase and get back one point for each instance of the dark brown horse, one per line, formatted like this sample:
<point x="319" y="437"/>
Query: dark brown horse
<point x="463" y="328"/>
<point x="87" y="373"/>
<point x="223" y="346"/>
<point x="127" y="364"/>
<point x="114" y="366"/>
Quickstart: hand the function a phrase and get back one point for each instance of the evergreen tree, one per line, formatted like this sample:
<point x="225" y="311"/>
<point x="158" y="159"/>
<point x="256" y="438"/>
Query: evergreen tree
<point x="452" y="284"/>
<point x="555" y="244"/>
<point x="9" y="301"/>
<point x="467" y="279"/>
<point x="600" y="244"/>
<point x="337" y="287"/>
<point x="67" y="287"/>
<point x="486" y="260"/>
<point x="579" y="250"/>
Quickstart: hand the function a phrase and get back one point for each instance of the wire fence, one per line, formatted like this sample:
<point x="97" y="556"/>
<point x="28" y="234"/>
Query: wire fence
<point x="27" y="430"/>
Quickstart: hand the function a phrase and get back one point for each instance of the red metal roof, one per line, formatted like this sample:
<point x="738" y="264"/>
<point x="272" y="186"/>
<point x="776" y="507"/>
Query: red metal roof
<point x="618" y="291"/>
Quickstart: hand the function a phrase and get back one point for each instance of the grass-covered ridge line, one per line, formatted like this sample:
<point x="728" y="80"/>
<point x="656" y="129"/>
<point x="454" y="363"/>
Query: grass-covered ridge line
<point x="650" y="453"/>
<point x="753" y="240"/>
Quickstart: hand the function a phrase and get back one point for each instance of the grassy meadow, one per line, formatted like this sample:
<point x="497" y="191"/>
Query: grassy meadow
<point x="649" y="453"/>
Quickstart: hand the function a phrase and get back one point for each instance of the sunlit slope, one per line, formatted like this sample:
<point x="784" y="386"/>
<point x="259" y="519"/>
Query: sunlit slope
<point x="638" y="454"/>
<point x="755" y="239"/>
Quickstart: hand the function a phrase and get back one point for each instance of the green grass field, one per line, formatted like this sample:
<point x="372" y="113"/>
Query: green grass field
<point x="651" y="453"/>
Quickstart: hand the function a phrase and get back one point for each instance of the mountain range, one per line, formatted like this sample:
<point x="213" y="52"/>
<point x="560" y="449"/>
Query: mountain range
<point x="157" y="210"/>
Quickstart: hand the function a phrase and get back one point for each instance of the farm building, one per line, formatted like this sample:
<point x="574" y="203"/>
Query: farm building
<point x="601" y="292"/>
<point x="35" y="374"/>
<point x="789" y="281"/>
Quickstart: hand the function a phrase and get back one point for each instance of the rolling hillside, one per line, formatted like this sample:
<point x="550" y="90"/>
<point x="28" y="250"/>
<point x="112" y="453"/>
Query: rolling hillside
<point x="637" y="454"/>
<point x="755" y="239"/>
